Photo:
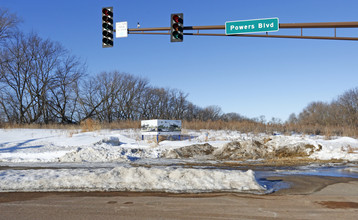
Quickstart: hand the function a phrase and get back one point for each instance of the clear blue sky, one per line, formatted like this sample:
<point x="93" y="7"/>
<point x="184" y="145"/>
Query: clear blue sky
<point x="250" y="76"/>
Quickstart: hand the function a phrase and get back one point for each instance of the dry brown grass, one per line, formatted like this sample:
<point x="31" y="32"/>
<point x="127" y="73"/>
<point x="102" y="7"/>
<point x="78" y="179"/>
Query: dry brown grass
<point x="242" y="126"/>
<point x="128" y="124"/>
<point x="90" y="125"/>
<point x="256" y="127"/>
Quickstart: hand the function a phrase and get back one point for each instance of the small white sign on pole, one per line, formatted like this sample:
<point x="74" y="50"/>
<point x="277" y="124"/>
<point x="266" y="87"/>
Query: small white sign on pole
<point x="121" y="29"/>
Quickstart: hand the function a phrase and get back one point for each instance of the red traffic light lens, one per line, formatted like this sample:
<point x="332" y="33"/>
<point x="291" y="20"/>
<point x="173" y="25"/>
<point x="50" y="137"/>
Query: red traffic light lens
<point x="107" y="12"/>
<point x="176" y="18"/>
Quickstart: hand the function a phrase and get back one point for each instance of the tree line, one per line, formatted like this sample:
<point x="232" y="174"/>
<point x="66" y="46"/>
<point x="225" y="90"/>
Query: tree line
<point x="340" y="112"/>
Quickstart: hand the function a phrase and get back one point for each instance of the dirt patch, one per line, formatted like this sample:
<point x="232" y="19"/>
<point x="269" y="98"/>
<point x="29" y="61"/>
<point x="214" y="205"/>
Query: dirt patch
<point x="192" y="151"/>
<point x="258" y="148"/>
<point x="6" y="197"/>
<point x="296" y="151"/>
<point x="252" y="149"/>
<point x="339" y="205"/>
<point x="263" y="149"/>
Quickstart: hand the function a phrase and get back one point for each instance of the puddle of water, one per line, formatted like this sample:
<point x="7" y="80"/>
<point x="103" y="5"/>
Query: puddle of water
<point x="328" y="171"/>
<point x="339" y="171"/>
<point x="272" y="185"/>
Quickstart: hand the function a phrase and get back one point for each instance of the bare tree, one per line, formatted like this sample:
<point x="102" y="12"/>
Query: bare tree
<point x="232" y="116"/>
<point x="163" y="103"/>
<point x="46" y="56"/>
<point x="178" y="103"/>
<point x="292" y="119"/>
<point x="91" y="98"/>
<point x="212" y="112"/>
<point x="348" y="103"/>
<point x="339" y="114"/>
<point x="192" y="112"/>
<point x="336" y="116"/>
<point x="316" y="113"/>
<point x="64" y="94"/>
<point x="131" y="96"/>
<point x="112" y="96"/>
<point x="16" y="73"/>
<point x="33" y="71"/>
<point x="158" y="103"/>
<point x="8" y="24"/>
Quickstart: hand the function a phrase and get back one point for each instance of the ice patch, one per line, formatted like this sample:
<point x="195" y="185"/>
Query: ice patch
<point x="177" y="180"/>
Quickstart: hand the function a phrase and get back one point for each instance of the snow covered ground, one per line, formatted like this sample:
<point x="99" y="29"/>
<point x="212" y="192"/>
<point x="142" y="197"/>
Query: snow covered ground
<point x="63" y="160"/>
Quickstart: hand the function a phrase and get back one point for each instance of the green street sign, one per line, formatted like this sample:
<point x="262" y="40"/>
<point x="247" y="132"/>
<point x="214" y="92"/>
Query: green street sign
<point x="251" y="26"/>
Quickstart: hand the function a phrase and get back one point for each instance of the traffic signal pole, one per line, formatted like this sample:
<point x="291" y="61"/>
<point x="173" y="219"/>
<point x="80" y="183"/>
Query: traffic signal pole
<point x="301" y="26"/>
<point x="243" y="28"/>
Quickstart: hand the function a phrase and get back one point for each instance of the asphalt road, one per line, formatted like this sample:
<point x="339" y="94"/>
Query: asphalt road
<point x="308" y="198"/>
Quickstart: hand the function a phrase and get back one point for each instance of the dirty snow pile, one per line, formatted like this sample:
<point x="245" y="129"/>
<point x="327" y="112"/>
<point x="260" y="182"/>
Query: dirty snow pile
<point x="130" y="179"/>
<point x="102" y="160"/>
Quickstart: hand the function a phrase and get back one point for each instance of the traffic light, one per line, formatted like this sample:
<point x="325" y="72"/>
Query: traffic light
<point x="107" y="27"/>
<point x="176" y="27"/>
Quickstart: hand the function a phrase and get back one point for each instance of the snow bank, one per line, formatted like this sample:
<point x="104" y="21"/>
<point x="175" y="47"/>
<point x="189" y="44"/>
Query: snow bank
<point x="85" y="152"/>
<point x="129" y="179"/>
<point x="92" y="154"/>
<point x="344" y="148"/>
<point x="32" y="157"/>
<point x="58" y="146"/>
